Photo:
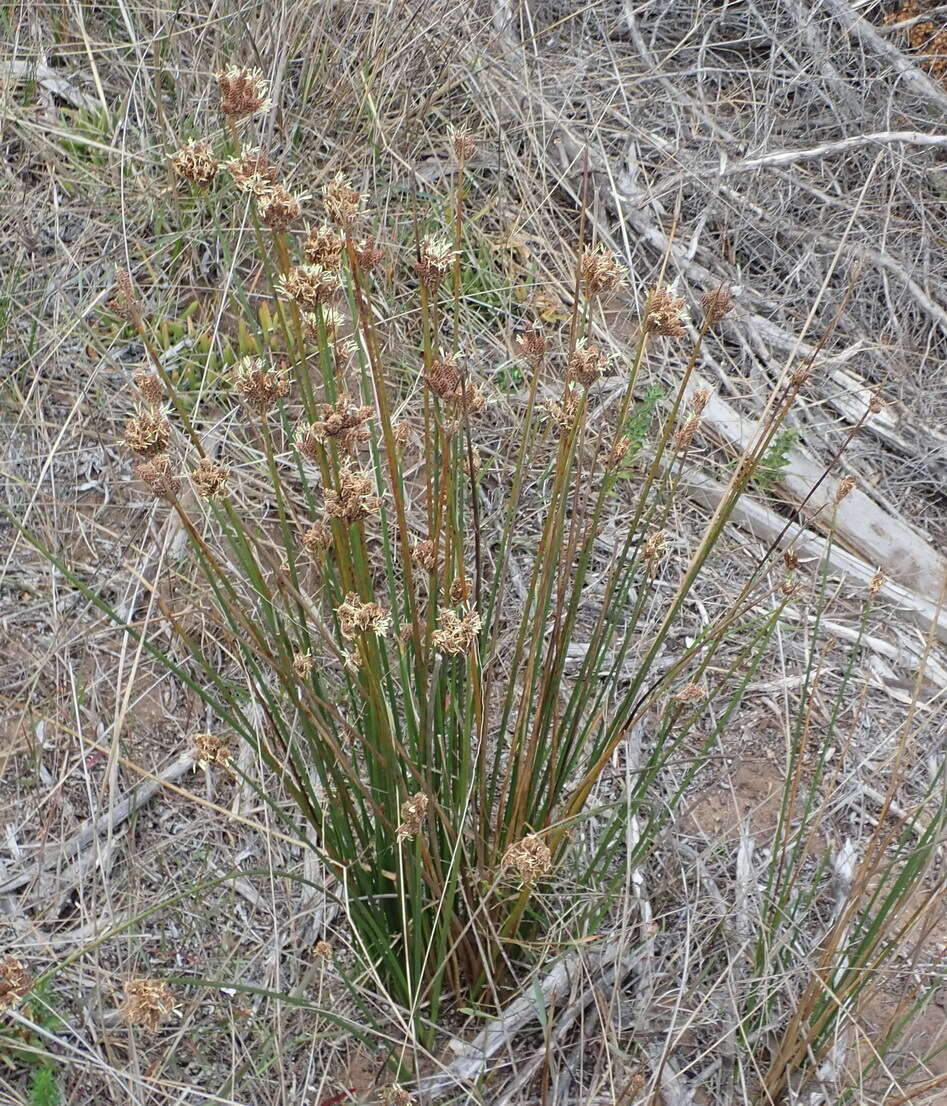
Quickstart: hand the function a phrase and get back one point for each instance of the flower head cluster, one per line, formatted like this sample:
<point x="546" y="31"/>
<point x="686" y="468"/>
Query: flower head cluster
<point x="586" y="365"/>
<point x="243" y="92"/>
<point x="716" y="304"/>
<point x="323" y="247"/>
<point x="159" y="475"/>
<point x="147" y="1003"/>
<point x="15" y="982"/>
<point x="259" y="386"/>
<point x="317" y="539"/>
<point x="209" y="478"/>
<point x="563" y="412"/>
<point x="600" y="271"/>
<point x="435" y="259"/>
<point x="147" y="433"/>
<point x="530" y="857"/>
<point x="252" y="172"/>
<point x="666" y="313"/>
<point x="195" y="163"/>
<point x="124" y="303"/>
<point x="341" y="202"/>
<point x="354" y="499"/>
<point x="209" y="749"/>
<point x="413" y="811"/>
<point x="357" y="618"/>
<point x="463" y="145"/>
<point x="278" y="208"/>
<point x="456" y="634"/>
<point x="342" y="422"/>
<point x="309" y="286"/>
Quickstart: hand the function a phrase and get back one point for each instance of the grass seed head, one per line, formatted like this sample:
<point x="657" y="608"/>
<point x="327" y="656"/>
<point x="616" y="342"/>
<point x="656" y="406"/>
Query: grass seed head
<point x="700" y="400"/>
<point x="354" y="499"/>
<point x="158" y="474"/>
<point x="690" y="693"/>
<point x="876" y="583"/>
<point x="654" y="548"/>
<point x="530" y="857"/>
<point x="302" y="666"/>
<point x="147" y="1003"/>
<point x="322" y="950"/>
<point x="601" y="272"/>
<point x="367" y="255"/>
<point x="532" y="344"/>
<point x="845" y="486"/>
<point x="342" y="422"/>
<point x="196" y="163"/>
<point x="685" y="434"/>
<point x="425" y="555"/>
<point x="616" y="455"/>
<point x="15" y="982"/>
<point x="309" y="286"/>
<point x="564" y="411"/>
<point x="443" y="377"/>
<point x="243" y="92"/>
<point x="278" y="208"/>
<point x="413" y="811"/>
<point x="209" y="478"/>
<point x="147" y="434"/>
<point x="396" y="1095"/>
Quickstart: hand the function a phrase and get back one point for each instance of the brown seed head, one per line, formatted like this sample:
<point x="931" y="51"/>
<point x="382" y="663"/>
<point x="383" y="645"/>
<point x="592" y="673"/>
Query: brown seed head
<point x="322" y="950"/>
<point x="323" y="247"/>
<point x="317" y="539"/>
<point x="845" y="487"/>
<point x="403" y="433"/>
<point x="473" y="463"/>
<point x="434" y="261"/>
<point x="396" y="1095"/>
<point x="799" y="377"/>
<point x="147" y="434"/>
<point x="463" y="145"/>
<point x="666" y="313"/>
<point x="654" y="548"/>
<point x="195" y="163"/>
<point x="532" y="344"/>
<point x="530" y="857"/>
<point x="791" y="560"/>
<point x="209" y="478"/>
<point x="876" y="404"/>
<point x="15" y="982"/>
<point x="341" y="202"/>
<point x="456" y="634"/>
<point x="252" y="171"/>
<point x="690" y="693"/>
<point x="243" y="92"/>
<point x="302" y="666"/>
<point x="563" y="412"/>
<point x="685" y="435"/>
<point x="413" y="811"/>
<point x="357" y="618"/>
<point x="354" y="499"/>
<point x="158" y="474"/>
<point x="147" y="1003"/>
<point x="149" y="387"/>
<point x="443" y="377"/>
<point x="600" y="271"/>
<point x="309" y="286"/>
<point x="586" y="365"/>
<point x="278" y="208"/>
<point x="716" y="305"/>
<point x="424" y="554"/>
<point x="341" y="422"/>
<point x="208" y="749"/>
<point x="259" y="386"/>
<point x="618" y="452"/>
<point x="876" y="583"/>
<point x="367" y="255"/>
<point x="700" y="400"/>
<point x="124" y="303"/>
<point x="459" y="591"/>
